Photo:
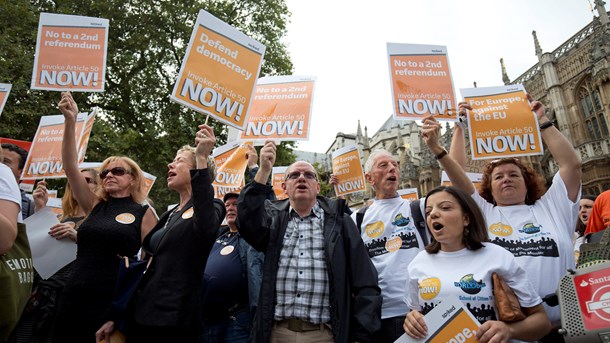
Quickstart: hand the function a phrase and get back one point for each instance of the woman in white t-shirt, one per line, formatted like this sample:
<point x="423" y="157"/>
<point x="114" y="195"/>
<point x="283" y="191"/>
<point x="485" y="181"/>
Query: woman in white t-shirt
<point x="10" y="207"/>
<point x="535" y="225"/>
<point x="459" y="262"/>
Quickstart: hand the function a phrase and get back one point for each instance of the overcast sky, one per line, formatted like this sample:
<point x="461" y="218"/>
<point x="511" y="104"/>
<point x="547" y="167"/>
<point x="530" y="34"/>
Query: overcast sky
<point x="343" y="44"/>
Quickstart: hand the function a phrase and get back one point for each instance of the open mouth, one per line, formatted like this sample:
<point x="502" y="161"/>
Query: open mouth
<point x="170" y="174"/>
<point x="392" y="178"/>
<point x="302" y="187"/>
<point x="437" y="226"/>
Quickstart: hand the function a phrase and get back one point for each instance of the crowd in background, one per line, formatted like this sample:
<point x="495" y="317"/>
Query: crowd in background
<point x="252" y="268"/>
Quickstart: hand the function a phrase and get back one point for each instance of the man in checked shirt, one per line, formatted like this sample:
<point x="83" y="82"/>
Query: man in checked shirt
<point x="319" y="284"/>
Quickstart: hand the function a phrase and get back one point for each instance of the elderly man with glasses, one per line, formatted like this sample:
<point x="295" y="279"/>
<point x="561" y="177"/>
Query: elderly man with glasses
<point x="318" y="282"/>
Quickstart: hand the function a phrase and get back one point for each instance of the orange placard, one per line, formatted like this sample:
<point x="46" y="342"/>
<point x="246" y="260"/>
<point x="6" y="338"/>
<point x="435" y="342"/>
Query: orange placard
<point x="149" y="180"/>
<point x="421" y="81"/>
<point x="5" y="89"/>
<point x="348" y="170"/>
<point x="476" y="178"/>
<point x="70" y="53"/>
<point x="44" y="158"/>
<point x="281" y="109"/>
<point x="219" y="71"/>
<point x="408" y="194"/>
<point x="460" y="328"/>
<point x="278" y="177"/>
<point x="501" y="123"/>
<point x="26" y="185"/>
<point x="231" y="162"/>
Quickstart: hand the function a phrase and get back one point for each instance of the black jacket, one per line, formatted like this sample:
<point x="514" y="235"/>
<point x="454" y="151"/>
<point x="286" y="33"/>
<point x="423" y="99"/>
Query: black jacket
<point x="355" y="300"/>
<point x="172" y="287"/>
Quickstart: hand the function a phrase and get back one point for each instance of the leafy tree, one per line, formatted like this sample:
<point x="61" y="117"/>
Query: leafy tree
<point x="146" y="44"/>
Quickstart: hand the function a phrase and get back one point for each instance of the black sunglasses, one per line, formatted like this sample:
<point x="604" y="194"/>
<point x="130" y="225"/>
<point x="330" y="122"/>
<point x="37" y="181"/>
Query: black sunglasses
<point x="90" y="180"/>
<point x="116" y="171"/>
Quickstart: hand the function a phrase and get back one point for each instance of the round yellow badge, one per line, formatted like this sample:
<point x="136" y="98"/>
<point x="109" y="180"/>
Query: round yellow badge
<point x="188" y="214"/>
<point x="125" y="218"/>
<point x="393" y="244"/>
<point x="227" y="250"/>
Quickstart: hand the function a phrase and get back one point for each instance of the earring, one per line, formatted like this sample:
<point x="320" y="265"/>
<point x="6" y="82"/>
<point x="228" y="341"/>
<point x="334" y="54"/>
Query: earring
<point x="466" y="232"/>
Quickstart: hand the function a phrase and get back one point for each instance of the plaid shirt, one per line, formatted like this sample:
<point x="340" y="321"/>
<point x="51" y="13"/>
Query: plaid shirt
<point x="302" y="289"/>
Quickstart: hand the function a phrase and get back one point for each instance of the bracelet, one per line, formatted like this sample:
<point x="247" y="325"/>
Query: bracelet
<point x="547" y="124"/>
<point x="441" y="154"/>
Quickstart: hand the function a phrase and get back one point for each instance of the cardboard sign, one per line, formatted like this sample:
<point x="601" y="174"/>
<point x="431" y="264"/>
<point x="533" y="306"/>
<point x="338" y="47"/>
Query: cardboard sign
<point x="278" y="177"/>
<point x="44" y="159"/>
<point x="501" y="123"/>
<point x="55" y="205"/>
<point x="475" y="178"/>
<point x="219" y="71"/>
<point x="408" y="193"/>
<point x="348" y="170"/>
<point x="5" y="89"/>
<point x="231" y="162"/>
<point x="70" y="53"/>
<point x="593" y="290"/>
<point x="449" y="321"/>
<point x="26" y="185"/>
<point x="421" y="82"/>
<point x="281" y="109"/>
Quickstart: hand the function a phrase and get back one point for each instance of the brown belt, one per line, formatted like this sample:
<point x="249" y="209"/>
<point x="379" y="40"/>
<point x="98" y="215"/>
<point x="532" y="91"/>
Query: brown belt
<point x="298" y="325"/>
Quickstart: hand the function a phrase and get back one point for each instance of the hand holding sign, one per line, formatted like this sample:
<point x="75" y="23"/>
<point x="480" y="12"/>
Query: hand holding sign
<point x="68" y="106"/>
<point x="41" y="196"/>
<point x="430" y="133"/>
<point x="204" y="142"/>
<point x="537" y="108"/>
<point x="415" y="325"/>
<point x="251" y="155"/>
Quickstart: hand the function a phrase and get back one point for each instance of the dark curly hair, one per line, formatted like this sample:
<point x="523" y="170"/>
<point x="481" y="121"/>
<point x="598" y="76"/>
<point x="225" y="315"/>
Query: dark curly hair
<point x="477" y="228"/>
<point x="534" y="183"/>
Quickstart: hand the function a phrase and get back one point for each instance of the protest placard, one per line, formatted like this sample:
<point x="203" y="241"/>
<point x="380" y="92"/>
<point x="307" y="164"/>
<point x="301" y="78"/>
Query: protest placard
<point x="5" y="89"/>
<point x="408" y="193"/>
<point x="501" y="123"/>
<point x="281" y="109"/>
<point x="475" y="178"/>
<point x="70" y="53"/>
<point x="219" y="71"/>
<point x="348" y="170"/>
<point x="26" y="185"/>
<point x="44" y="158"/>
<point x="449" y="321"/>
<point x="231" y="162"/>
<point x="421" y="82"/>
<point x="278" y="176"/>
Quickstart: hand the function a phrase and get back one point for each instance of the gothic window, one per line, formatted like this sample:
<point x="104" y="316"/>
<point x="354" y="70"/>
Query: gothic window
<point x="592" y="111"/>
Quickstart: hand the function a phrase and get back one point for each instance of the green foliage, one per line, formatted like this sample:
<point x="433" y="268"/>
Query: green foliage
<point x="325" y="188"/>
<point x="146" y="45"/>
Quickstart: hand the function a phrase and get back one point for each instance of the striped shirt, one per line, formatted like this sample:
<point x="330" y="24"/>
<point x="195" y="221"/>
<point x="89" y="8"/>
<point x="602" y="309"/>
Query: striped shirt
<point x="302" y="289"/>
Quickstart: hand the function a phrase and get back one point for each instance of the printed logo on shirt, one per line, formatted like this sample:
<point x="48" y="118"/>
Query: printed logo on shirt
<point x="188" y="214"/>
<point x="375" y="229"/>
<point x="400" y="220"/>
<point x="469" y="285"/>
<point x="535" y="247"/>
<point x="125" y="218"/>
<point x="500" y="229"/>
<point x="393" y="244"/>
<point x="530" y="228"/>
<point x="429" y="288"/>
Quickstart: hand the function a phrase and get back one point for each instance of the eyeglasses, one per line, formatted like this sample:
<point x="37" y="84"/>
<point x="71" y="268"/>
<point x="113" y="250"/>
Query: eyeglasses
<point x="116" y="171"/>
<point x="307" y="174"/>
<point x="90" y="180"/>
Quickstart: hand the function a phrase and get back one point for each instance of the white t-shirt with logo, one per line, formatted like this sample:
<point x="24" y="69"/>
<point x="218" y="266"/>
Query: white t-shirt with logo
<point x="467" y="275"/>
<point x="392" y="241"/>
<point x="539" y="236"/>
<point x="9" y="190"/>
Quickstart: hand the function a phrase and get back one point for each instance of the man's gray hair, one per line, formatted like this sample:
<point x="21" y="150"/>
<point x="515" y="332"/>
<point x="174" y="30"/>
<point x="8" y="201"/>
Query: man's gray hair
<point x="373" y="156"/>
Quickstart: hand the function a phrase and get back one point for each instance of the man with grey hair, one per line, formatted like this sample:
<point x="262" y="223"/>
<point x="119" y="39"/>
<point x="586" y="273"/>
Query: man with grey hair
<point x="318" y="283"/>
<point x="392" y="239"/>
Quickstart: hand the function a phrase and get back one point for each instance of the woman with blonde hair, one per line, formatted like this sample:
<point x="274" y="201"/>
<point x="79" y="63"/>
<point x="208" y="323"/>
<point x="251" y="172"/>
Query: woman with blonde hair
<point x="115" y="225"/>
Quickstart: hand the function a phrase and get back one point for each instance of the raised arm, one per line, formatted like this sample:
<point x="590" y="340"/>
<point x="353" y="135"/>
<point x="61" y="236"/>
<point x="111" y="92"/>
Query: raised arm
<point x="84" y="196"/>
<point x="457" y="150"/>
<point x="570" y="165"/>
<point x="430" y="132"/>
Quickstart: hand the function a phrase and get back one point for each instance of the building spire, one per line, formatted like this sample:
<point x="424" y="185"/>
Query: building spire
<point x="504" y="74"/>
<point x="601" y="12"/>
<point x="366" y="138"/>
<point x="537" y="44"/>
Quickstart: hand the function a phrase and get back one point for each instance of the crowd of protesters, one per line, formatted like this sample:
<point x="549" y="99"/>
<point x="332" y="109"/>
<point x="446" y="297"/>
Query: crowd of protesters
<point x="299" y="269"/>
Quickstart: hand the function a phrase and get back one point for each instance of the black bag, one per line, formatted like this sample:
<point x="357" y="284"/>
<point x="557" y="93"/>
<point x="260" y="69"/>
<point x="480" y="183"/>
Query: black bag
<point x="131" y="272"/>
